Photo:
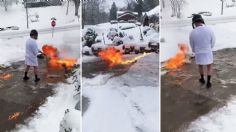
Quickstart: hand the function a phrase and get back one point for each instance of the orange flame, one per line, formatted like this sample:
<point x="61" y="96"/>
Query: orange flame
<point x="114" y="57"/>
<point x="55" y="61"/>
<point x="5" y="76"/>
<point x="15" y="116"/>
<point x="179" y="59"/>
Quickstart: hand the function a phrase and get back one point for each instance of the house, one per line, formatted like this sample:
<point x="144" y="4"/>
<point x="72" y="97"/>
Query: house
<point x="41" y="3"/>
<point x="126" y="16"/>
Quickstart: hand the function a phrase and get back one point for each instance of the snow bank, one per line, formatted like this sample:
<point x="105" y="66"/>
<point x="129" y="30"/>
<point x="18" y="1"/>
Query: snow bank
<point x="49" y="116"/>
<point x="222" y="120"/>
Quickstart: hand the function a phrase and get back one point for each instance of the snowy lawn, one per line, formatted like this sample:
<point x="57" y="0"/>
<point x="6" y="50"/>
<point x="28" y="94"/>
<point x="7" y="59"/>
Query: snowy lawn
<point x="18" y="16"/>
<point x="13" y="50"/>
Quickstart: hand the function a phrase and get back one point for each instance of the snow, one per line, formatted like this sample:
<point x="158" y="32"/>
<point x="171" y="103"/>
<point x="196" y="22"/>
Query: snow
<point x="50" y="114"/>
<point x="45" y="14"/>
<point x="67" y="42"/>
<point x="221" y="120"/>
<point x="195" y="6"/>
<point x="132" y="35"/>
<point x="125" y="103"/>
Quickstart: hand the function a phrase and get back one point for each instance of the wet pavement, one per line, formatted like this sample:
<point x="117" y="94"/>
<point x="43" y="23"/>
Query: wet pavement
<point x="17" y="95"/>
<point x="184" y="99"/>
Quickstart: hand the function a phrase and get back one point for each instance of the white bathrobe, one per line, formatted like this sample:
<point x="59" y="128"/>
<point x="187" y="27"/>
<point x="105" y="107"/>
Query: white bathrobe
<point x="202" y="41"/>
<point x="31" y="52"/>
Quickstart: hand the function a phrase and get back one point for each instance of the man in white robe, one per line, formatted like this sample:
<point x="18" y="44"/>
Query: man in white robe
<point x="202" y="41"/>
<point x="31" y="53"/>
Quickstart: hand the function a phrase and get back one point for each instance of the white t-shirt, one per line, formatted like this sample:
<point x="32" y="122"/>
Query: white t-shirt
<point x="31" y="52"/>
<point x="202" y="40"/>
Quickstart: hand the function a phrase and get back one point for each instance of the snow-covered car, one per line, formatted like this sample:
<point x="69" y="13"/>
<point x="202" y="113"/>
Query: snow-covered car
<point x="2" y="29"/>
<point x="13" y="28"/>
<point x="128" y="48"/>
<point x="122" y="21"/>
<point x="34" y="19"/>
<point x="113" y="21"/>
<point x="154" y="46"/>
<point x="98" y="39"/>
<point x="117" y="40"/>
<point x="138" y="23"/>
<point x="96" y="48"/>
<point x="112" y="33"/>
<point x="146" y="30"/>
<point x="127" y="26"/>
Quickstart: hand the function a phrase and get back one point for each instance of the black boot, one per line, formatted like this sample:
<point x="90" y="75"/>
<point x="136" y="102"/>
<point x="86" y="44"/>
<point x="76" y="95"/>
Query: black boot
<point x="36" y="78"/>
<point x="202" y="80"/>
<point x="208" y="81"/>
<point x="26" y="77"/>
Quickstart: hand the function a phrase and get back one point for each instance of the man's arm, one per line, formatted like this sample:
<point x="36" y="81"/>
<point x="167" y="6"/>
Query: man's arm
<point x="191" y="42"/>
<point x="213" y="39"/>
<point x="35" y="48"/>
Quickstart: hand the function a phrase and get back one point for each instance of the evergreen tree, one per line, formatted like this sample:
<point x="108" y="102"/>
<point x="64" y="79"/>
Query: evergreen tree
<point x="150" y="4"/>
<point x="113" y="12"/>
<point x="139" y="7"/>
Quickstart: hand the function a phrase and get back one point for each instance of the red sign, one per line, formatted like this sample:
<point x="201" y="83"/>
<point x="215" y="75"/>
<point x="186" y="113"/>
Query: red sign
<point x="53" y="23"/>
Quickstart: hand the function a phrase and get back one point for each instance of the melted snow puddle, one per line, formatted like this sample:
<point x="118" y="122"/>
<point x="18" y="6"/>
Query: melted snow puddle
<point x="49" y="116"/>
<point x="222" y="120"/>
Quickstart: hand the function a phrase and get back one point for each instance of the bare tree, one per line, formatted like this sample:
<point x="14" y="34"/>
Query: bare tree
<point x="163" y="3"/>
<point x="176" y="6"/>
<point x="77" y="4"/>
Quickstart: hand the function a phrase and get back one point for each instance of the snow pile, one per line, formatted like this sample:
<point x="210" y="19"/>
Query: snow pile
<point x="127" y="103"/>
<point x="49" y="116"/>
<point x="70" y="122"/>
<point x="222" y="120"/>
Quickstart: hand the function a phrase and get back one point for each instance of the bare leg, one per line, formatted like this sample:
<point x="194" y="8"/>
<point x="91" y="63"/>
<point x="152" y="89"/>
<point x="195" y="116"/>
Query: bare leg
<point x="200" y="68"/>
<point x="209" y="69"/>
<point x="35" y="70"/>
<point x="27" y="68"/>
<point x="36" y="74"/>
<point x="209" y="72"/>
<point x="201" y="71"/>
<point x="26" y="72"/>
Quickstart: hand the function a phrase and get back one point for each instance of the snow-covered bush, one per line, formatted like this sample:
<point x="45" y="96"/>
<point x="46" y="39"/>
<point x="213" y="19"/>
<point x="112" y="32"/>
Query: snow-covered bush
<point x="70" y="121"/>
<point x="90" y="37"/>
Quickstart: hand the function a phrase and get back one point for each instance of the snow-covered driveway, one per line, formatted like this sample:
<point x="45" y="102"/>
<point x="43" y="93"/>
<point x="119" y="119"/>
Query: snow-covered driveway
<point x="129" y="102"/>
